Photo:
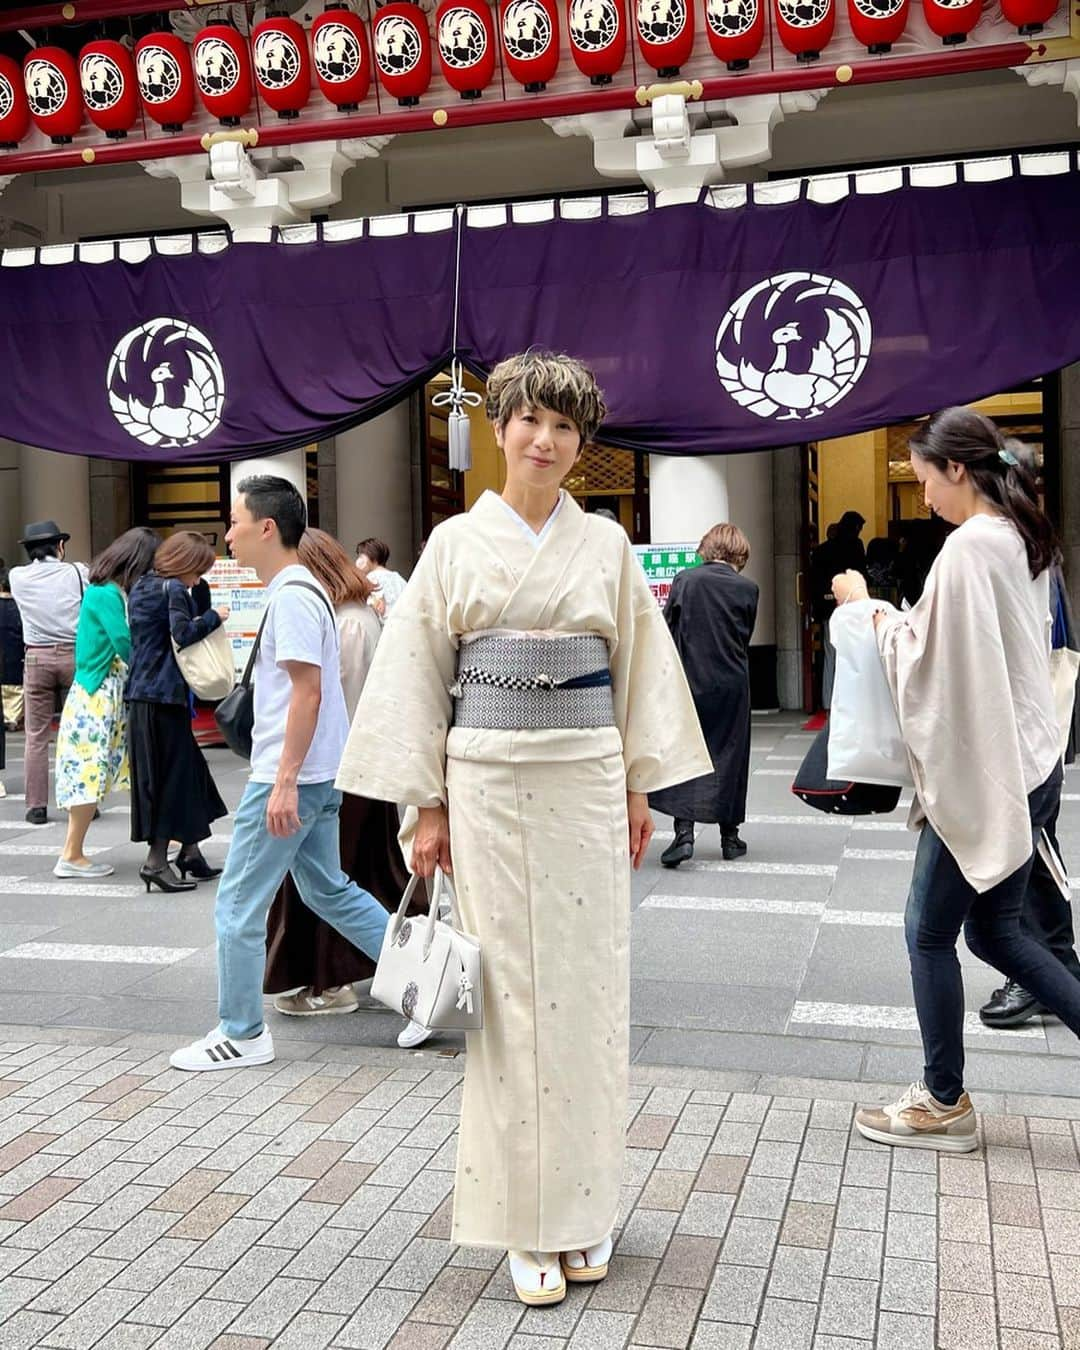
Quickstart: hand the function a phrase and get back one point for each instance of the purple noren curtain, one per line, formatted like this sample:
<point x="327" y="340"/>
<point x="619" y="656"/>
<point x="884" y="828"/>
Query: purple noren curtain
<point x="711" y="330"/>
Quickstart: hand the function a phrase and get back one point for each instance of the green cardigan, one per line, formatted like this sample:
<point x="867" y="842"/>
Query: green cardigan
<point x="102" y="634"/>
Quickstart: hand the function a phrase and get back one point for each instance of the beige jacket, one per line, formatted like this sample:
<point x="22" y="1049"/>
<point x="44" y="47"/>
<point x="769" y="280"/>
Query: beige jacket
<point x="969" y="668"/>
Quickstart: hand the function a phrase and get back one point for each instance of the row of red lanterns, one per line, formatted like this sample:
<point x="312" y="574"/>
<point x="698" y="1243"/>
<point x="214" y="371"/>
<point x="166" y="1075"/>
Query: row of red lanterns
<point x="52" y="87"/>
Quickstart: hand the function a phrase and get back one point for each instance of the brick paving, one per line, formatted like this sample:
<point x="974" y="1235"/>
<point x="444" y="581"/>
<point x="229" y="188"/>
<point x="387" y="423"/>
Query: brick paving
<point x="306" y="1204"/>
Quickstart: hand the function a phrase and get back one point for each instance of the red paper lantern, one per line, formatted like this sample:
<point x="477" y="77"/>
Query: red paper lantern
<point x="735" y="29"/>
<point x="530" y="39"/>
<point x="1029" y="16"/>
<point x="14" y="109"/>
<point x="597" y="31"/>
<point x="665" y="31"/>
<point x="402" y="51"/>
<point x="805" y="26"/>
<point x="51" y="79"/>
<point x="109" y="87"/>
<point x="339" y="45"/>
<point x="166" y="80"/>
<point x="952" y="20"/>
<point x="223" y="73"/>
<point x="282" y="65"/>
<point x="877" y="24"/>
<point x="465" y="36"/>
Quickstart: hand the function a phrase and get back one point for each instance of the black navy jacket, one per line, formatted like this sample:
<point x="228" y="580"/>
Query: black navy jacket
<point x="157" y="611"/>
<point x="12" y="650"/>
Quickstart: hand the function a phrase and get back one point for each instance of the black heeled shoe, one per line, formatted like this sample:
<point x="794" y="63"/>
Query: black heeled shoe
<point x="199" y="868"/>
<point x="164" y="878"/>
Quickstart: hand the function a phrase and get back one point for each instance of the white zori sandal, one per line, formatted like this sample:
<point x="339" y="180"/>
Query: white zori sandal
<point x="538" y="1277"/>
<point x="587" y="1265"/>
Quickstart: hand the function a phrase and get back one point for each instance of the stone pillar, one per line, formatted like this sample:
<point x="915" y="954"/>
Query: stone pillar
<point x="374" y="485"/>
<point x="1069" y="413"/>
<point x="11" y="522"/>
<point x="787" y="560"/>
<point x="327" y="475"/>
<point x="291" y="465"/>
<point x="57" y="487"/>
<point x="687" y="495"/>
<point x="110" y="501"/>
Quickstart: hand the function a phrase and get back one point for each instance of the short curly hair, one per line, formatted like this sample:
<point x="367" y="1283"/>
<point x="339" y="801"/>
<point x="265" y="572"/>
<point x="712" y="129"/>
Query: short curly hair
<point x="552" y="380"/>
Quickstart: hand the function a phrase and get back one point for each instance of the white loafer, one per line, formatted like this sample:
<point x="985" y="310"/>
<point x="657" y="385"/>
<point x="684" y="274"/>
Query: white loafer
<point x="587" y="1264"/>
<point x="538" y="1278"/>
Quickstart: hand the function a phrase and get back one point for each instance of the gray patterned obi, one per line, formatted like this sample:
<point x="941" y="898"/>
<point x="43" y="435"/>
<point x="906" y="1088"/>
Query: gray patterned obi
<point x="508" y="681"/>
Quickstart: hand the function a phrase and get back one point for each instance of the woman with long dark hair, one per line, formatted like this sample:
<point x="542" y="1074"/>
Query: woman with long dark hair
<point x="91" y="747"/>
<point x="305" y="955"/>
<point x="173" y="795"/>
<point x="969" y="667"/>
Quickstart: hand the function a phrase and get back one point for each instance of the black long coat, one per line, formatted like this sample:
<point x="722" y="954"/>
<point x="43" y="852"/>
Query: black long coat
<point x="711" y="612"/>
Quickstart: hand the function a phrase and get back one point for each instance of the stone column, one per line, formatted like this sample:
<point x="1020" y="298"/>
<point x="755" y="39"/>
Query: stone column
<point x="110" y="501"/>
<point x="374" y="485"/>
<point x="57" y="487"/>
<point x="291" y="465"/>
<point x="687" y="495"/>
<point x="787" y="526"/>
<point x="1069" y="414"/>
<point x="11" y="522"/>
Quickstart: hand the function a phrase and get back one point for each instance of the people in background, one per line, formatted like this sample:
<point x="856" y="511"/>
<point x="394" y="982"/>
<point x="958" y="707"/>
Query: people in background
<point x="969" y="669"/>
<point x="91" y="748"/>
<point x="173" y="795"/>
<point x="310" y="966"/>
<point x="287" y="819"/>
<point x="372" y="556"/>
<point x="49" y="592"/>
<point x="711" y="611"/>
<point x="11" y="667"/>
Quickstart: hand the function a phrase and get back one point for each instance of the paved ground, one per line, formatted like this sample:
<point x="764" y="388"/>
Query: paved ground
<point x="305" y="1204"/>
<point x="791" y="962"/>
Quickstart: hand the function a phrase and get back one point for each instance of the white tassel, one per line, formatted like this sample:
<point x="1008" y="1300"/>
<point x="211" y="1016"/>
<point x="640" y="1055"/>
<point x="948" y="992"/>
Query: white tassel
<point x="465" y="991"/>
<point x="457" y="398"/>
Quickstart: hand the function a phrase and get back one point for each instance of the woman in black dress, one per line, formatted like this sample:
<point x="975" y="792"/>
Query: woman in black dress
<point x="173" y="795"/>
<point x="711" y="611"/>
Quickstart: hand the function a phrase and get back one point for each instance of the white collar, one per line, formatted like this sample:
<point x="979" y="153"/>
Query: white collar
<point x="536" y="538"/>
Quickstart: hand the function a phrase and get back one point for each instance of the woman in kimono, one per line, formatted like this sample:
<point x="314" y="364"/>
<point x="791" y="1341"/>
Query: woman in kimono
<point x="525" y="697"/>
<point x="969" y="668"/>
<point x="711" y="612"/>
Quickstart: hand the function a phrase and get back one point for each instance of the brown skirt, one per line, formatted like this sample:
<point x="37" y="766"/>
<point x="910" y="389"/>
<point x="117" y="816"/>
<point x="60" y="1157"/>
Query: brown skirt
<point x="301" y="948"/>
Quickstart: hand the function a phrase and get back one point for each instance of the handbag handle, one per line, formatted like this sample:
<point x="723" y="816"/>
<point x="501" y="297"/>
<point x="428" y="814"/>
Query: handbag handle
<point x="441" y="881"/>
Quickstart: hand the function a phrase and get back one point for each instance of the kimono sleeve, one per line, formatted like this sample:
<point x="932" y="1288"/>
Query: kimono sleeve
<point x="654" y="709"/>
<point x="396" y="750"/>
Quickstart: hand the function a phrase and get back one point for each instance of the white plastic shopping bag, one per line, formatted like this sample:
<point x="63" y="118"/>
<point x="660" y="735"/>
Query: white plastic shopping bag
<point x="865" y="745"/>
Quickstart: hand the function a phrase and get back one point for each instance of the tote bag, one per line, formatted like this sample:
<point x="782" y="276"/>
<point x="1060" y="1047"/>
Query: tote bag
<point x="865" y="745"/>
<point x="207" y="665"/>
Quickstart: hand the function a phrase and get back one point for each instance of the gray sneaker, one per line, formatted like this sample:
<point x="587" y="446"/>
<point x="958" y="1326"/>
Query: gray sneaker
<point x="83" y="871"/>
<point x="306" y="1003"/>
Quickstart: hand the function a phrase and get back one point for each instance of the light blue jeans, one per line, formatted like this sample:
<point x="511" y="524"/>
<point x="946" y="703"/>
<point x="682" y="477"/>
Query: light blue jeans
<point x="255" y="868"/>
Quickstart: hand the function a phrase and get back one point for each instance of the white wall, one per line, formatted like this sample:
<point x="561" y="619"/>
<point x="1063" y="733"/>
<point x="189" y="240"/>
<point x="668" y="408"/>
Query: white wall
<point x="374" y="485"/>
<point x="750" y="506"/>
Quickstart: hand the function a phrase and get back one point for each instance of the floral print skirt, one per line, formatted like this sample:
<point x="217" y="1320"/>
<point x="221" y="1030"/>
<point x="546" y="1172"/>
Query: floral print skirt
<point x="91" y="748"/>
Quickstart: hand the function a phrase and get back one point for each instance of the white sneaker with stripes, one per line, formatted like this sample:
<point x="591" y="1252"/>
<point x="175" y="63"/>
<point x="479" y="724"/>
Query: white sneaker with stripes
<point x="218" y="1051"/>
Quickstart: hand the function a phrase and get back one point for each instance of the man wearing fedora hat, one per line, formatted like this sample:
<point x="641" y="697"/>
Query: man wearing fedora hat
<point x="48" y="592"/>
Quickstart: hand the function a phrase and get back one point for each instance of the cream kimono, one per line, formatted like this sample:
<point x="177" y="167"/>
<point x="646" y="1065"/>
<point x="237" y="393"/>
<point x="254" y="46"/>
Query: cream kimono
<point x="539" y="843"/>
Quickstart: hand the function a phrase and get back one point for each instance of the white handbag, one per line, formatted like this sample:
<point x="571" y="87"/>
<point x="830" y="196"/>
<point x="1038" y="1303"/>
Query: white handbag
<point x="1064" y="667"/>
<point x="865" y="744"/>
<point x="207" y="665"/>
<point x="429" y="970"/>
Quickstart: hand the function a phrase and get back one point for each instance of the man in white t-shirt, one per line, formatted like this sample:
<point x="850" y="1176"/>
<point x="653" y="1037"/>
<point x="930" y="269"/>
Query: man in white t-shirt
<point x="287" y="819"/>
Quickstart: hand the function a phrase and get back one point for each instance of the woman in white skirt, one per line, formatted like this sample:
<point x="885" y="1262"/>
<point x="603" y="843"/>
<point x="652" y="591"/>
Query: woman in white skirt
<point x="524" y="698"/>
<point x="91" y="748"/>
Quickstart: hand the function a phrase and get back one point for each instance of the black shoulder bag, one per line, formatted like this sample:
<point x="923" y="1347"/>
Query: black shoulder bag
<point x="825" y="794"/>
<point x="235" y="714"/>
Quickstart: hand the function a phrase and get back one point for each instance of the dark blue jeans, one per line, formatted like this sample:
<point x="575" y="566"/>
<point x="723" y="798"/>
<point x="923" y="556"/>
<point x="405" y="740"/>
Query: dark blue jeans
<point x="941" y="903"/>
